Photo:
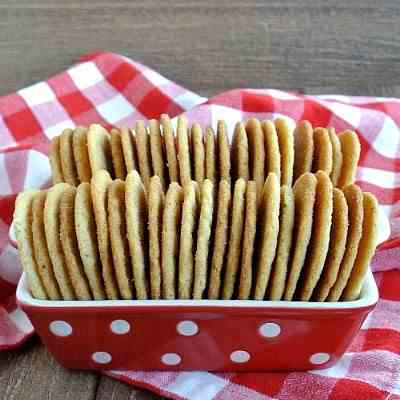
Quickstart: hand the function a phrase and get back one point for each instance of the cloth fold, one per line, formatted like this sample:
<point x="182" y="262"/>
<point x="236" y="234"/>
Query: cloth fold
<point x="115" y="91"/>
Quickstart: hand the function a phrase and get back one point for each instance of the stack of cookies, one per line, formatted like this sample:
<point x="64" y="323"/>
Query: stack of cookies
<point x="147" y="214"/>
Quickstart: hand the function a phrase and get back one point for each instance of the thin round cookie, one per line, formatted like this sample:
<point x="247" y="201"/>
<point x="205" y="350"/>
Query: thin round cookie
<point x="136" y="222"/>
<point x="85" y="228"/>
<point x="170" y="150"/>
<point x="51" y="220"/>
<point x="156" y="208"/>
<point x="224" y="154"/>
<point x="320" y="236"/>
<point x="249" y="234"/>
<point x="99" y="187"/>
<point x="198" y="153"/>
<point x="304" y="191"/>
<point x="280" y="266"/>
<point x="235" y="239"/>
<point x="170" y="240"/>
<point x="366" y="248"/>
<point x="70" y="246"/>
<point x="117" y="154"/>
<point x="55" y="160"/>
<point x="67" y="158"/>
<point x="337" y="158"/>
<point x="203" y="238"/>
<point x="129" y="149"/>
<point x="256" y="153"/>
<point x="322" y="151"/>
<point x="81" y="155"/>
<point x="350" y="145"/>
<point x="157" y="152"/>
<point x="210" y="155"/>
<point x="99" y="149"/>
<point x="272" y="152"/>
<point x="220" y="239"/>
<point x="303" y="149"/>
<point x="268" y="215"/>
<point x="337" y="246"/>
<point x="286" y="148"/>
<point x="187" y="247"/>
<point x="142" y="139"/>
<point x="41" y="254"/>
<point x="354" y="198"/>
<point x="240" y="153"/>
<point x="118" y="238"/>
<point x="183" y="151"/>
<point x="23" y="233"/>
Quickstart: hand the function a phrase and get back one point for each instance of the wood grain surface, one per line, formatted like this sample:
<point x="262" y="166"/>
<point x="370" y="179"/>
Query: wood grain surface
<point x="342" y="47"/>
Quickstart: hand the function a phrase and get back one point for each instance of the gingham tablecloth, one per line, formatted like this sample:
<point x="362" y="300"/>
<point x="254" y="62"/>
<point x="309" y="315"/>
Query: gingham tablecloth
<point x="115" y="91"/>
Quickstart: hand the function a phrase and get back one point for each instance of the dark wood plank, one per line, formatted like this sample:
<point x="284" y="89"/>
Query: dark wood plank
<point x="31" y="373"/>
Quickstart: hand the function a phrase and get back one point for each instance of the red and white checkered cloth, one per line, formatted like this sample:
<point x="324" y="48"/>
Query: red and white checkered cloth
<point x="114" y="90"/>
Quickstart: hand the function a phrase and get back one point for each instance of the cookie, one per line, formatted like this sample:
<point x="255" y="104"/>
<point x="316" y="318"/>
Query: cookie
<point x="183" y="151"/>
<point x="118" y="238"/>
<point x="55" y="160"/>
<point x="81" y="155"/>
<point x="85" y="228"/>
<point x="198" y="153"/>
<point x="156" y="208"/>
<point x="41" y="254"/>
<point x="23" y="232"/>
<point x="51" y="220"/>
<point x="142" y="140"/>
<point x="99" y="149"/>
<point x="67" y="158"/>
<point x="69" y="245"/>
<point x="240" y="153"/>
<point x="157" y="152"/>
<point x="99" y="187"/>
<point x="170" y="150"/>
<point x="235" y="239"/>
<point x="337" y="158"/>
<point x="224" y="154"/>
<point x="187" y="242"/>
<point x="351" y="149"/>
<point x="249" y="234"/>
<point x="319" y="242"/>
<point x="366" y="248"/>
<point x="256" y="153"/>
<point x="210" y="155"/>
<point x="354" y="198"/>
<point x="280" y="266"/>
<point x="303" y="149"/>
<point x="203" y="238"/>
<point x="272" y="152"/>
<point x="322" y="151"/>
<point x="268" y="216"/>
<point x="170" y="239"/>
<point x="220" y="239"/>
<point x="117" y="154"/>
<point x="337" y="246"/>
<point x="286" y="148"/>
<point x="128" y="143"/>
<point x="136" y="222"/>
<point x="304" y="191"/>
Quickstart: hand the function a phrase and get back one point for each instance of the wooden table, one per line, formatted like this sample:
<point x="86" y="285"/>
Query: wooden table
<point x="342" y="47"/>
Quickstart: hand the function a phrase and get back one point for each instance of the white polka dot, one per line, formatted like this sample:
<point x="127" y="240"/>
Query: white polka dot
<point x="240" y="356"/>
<point x="60" y="328"/>
<point x="187" y="328"/>
<point x="101" y="357"/>
<point x="319" y="358"/>
<point x="120" y="327"/>
<point x="270" y="329"/>
<point x="171" y="359"/>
